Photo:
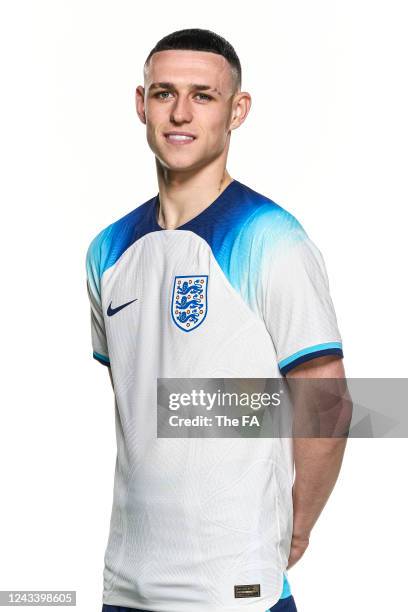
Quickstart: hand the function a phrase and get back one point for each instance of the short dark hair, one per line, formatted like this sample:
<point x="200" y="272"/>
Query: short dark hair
<point x="197" y="39"/>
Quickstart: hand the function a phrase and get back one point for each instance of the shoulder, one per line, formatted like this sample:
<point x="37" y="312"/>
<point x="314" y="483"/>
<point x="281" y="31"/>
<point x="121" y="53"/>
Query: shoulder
<point x="267" y="222"/>
<point x="109" y="243"/>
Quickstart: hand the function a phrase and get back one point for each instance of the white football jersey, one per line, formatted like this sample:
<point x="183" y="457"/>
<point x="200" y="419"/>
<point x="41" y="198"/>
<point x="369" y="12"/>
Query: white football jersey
<point x="203" y="524"/>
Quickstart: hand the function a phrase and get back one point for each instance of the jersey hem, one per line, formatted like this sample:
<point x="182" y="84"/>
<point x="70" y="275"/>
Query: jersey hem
<point x="259" y="606"/>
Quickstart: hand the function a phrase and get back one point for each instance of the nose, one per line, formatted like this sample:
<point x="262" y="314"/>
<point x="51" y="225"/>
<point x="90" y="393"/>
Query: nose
<point x="181" y="111"/>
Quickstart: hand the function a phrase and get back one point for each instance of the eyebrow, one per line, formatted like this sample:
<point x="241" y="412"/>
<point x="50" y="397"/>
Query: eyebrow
<point x="194" y="86"/>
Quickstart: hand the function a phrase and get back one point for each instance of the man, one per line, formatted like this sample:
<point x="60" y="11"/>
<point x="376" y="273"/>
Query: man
<point x="206" y="524"/>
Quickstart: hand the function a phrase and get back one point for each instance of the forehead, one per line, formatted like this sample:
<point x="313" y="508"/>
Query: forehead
<point x="183" y="67"/>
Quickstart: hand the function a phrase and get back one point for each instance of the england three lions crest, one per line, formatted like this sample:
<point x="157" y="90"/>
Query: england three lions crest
<point x="189" y="301"/>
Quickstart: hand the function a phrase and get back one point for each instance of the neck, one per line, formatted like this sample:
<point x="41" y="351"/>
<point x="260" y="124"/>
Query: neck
<point x="185" y="195"/>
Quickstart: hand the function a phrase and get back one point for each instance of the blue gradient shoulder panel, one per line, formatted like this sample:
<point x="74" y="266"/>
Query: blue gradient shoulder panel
<point x="110" y="243"/>
<point x="245" y="230"/>
<point x="238" y="224"/>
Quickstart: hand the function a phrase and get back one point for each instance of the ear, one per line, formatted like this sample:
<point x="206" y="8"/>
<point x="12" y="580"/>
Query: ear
<point x="240" y="108"/>
<point x="140" y="105"/>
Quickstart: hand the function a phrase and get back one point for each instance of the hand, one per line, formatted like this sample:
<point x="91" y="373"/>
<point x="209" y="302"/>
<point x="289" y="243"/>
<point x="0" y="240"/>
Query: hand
<point x="297" y="549"/>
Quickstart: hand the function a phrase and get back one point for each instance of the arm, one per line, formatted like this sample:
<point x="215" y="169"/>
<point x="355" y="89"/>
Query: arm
<point x="299" y="314"/>
<point x="317" y="460"/>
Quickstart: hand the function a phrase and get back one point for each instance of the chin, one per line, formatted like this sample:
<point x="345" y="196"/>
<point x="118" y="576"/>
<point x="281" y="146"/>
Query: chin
<point x="180" y="165"/>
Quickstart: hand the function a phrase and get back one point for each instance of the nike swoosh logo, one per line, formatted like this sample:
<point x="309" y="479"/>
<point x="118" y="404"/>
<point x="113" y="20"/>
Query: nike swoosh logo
<point x="111" y="311"/>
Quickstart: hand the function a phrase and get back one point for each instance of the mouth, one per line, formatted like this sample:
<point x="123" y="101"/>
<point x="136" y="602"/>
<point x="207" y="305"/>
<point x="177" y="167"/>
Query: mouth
<point x="179" y="138"/>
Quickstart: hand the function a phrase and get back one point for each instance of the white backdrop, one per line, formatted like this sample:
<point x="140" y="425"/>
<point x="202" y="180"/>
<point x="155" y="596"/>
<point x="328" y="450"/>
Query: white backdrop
<point x="326" y="138"/>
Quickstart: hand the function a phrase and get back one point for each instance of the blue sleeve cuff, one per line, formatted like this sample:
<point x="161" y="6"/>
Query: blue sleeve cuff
<point x="311" y="352"/>
<point x="101" y="358"/>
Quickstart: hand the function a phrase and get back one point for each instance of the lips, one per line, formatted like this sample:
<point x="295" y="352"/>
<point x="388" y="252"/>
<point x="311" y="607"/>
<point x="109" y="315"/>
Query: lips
<point x="179" y="137"/>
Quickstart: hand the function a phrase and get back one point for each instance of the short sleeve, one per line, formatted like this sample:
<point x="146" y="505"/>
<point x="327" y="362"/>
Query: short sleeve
<point x="98" y="334"/>
<point x="297" y="307"/>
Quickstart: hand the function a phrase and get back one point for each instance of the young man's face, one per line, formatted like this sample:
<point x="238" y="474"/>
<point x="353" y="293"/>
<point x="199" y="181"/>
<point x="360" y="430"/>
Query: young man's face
<point x="189" y="106"/>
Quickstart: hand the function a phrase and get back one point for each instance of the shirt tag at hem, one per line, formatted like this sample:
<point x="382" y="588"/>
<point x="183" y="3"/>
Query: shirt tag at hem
<point x="247" y="590"/>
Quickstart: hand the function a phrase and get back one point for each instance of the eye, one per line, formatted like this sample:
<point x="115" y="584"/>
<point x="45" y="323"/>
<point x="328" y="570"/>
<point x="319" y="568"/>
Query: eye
<point x="162" y="95"/>
<point x="204" y="96"/>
